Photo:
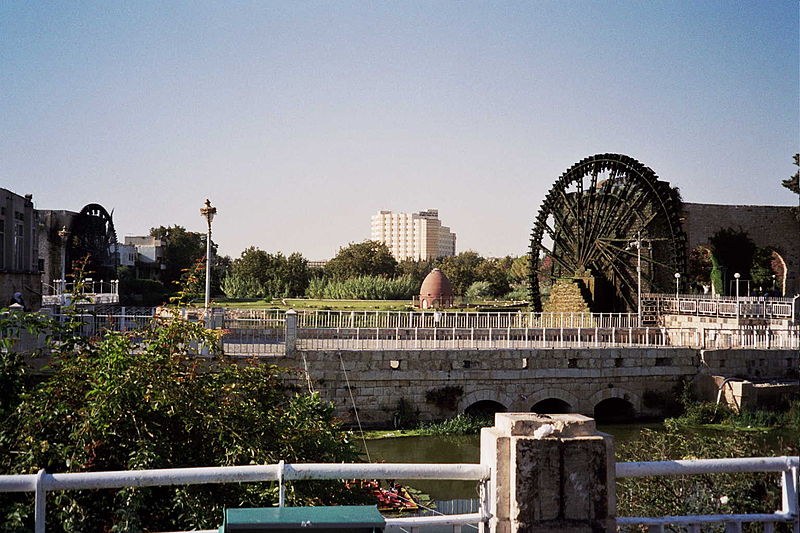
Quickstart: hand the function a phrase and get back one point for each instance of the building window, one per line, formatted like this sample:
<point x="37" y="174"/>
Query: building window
<point x="2" y="243"/>
<point x="19" y="246"/>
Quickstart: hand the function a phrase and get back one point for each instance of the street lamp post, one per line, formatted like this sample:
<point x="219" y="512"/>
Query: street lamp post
<point x="737" y="276"/>
<point x="638" y="244"/>
<point x="677" y="291"/>
<point x="208" y="213"/>
<point x="63" y="233"/>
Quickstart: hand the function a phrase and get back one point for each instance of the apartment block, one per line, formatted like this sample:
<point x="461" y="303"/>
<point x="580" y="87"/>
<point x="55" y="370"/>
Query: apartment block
<point x="416" y="236"/>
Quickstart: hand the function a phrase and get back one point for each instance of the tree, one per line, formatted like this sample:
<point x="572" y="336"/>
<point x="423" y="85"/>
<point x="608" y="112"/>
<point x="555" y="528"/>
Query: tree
<point x="761" y="269"/>
<point x="496" y="272"/>
<point x="696" y="495"/>
<point x="258" y="274"/>
<point x="700" y="266"/>
<point x="461" y="270"/>
<point x="520" y="270"/>
<point x="793" y="184"/>
<point x="416" y="270"/>
<point x="181" y="249"/>
<point x="141" y="401"/>
<point x="368" y="258"/>
<point x="734" y="250"/>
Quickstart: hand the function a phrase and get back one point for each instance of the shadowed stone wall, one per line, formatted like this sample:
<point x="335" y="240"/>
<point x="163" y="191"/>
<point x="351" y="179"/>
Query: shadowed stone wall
<point x="646" y="378"/>
<point x="768" y="226"/>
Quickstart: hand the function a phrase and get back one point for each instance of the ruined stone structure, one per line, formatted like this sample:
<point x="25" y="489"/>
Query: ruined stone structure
<point x="19" y="265"/>
<point x="603" y="383"/>
<point x="768" y="226"/>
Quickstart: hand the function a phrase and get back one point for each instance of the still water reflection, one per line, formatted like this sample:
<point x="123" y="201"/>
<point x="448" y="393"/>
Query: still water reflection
<point x="459" y="449"/>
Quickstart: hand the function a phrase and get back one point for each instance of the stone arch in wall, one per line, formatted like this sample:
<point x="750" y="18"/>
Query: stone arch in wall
<point x="553" y="394"/>
<point x="780" y="269"/>
<point x="616" y="392"/>
<point x="484" y="395"/>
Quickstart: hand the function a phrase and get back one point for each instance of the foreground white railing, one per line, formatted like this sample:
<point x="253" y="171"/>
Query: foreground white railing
<point x="787" y="466"/>
<point x="43" y="482"/>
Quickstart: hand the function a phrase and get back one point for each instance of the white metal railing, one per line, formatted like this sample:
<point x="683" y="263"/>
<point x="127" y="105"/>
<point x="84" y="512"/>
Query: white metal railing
<point x="724" y="306"/>
<point x="760" y="338"/>
<point x="786" y="466"/>
<point x="265" y="335"/>
<point x="532" y="338"/>
<point x="42" y="483"/>
<point x="455" y="319"/>
<point x="250" y="337"/>
<point x="490" y="338"/>
<point x="281" y="473"/>
<point x="62" y="292"/>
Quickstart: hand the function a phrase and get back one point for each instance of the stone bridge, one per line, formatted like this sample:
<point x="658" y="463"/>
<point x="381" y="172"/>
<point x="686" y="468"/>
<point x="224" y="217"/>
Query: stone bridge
<point x="606" y="383"/>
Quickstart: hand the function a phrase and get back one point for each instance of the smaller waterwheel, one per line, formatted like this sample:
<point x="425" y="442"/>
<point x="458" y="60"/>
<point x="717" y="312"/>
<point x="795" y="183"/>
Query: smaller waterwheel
<point x="93" y="238"/>
<point x="592" y="225"/>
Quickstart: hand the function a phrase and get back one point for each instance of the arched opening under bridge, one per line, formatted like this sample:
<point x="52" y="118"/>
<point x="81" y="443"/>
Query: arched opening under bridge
<point x="614" y="410"/>
<point x="551" y="406"/>
<point x="485" y="408"/>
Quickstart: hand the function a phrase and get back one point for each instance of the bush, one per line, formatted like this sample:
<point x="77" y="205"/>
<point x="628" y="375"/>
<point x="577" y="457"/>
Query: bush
<point x="480" y="290"/>
<point x="362" y="288"/>
<point x="518" y="294"/>
<point x="460" y="425"/>
<point x="122" y="402"/>
<point x="146" y="292"/>
<point x="703" y="494"/>
<point x="701" y="413"/>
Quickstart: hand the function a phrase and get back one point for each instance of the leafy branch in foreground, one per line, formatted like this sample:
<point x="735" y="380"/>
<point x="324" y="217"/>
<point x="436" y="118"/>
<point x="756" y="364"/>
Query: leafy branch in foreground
<point x="698" y="494"/>
<point x="141" y="400"/>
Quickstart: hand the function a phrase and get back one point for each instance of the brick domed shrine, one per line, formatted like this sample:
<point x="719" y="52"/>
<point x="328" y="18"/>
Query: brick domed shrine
<point x="436" y="291"/>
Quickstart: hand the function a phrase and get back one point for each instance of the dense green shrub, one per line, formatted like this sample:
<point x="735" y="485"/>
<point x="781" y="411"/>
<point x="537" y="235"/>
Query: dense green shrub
<point x="478" y="291"/>
<point x="700" y="413"/>
<point x="362" y="288"/>
<point x="462" y="424"/>
<point x="258" y="274"/>
<point x="137" y="291"/>
<point x="703" y="494"/>
<point x="122" y="402"/>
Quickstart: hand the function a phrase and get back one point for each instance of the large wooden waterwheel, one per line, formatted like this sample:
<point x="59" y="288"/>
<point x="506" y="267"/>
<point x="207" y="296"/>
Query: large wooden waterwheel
<point x="591" y="223"/>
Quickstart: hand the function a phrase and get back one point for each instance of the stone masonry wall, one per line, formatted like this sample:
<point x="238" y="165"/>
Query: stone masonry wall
<point x="517" y="379"/>
<point x="773" y="226"/>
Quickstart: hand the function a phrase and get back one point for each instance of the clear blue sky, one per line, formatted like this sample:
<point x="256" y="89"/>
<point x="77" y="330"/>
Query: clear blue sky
<point x="299" y="120"/>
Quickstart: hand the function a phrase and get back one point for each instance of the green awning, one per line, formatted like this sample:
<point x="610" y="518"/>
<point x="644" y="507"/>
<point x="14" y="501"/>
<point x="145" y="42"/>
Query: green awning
<point x="343" y="518"/>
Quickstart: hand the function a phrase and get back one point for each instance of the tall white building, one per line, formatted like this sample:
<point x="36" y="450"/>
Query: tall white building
<point x="417" y="236"/>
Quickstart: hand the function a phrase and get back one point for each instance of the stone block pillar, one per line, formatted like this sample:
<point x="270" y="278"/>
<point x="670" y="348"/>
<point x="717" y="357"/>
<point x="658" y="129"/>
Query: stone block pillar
<point x="291" y="331"/>
<point x="550" y="473"/>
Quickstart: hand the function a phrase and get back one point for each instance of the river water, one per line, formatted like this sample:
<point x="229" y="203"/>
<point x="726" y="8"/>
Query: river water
<point x="459" y="449"/>
<point x="456" y="497"/>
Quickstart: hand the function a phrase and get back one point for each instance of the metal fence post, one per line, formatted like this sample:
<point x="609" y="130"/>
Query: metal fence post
<point x="291" y="331"/>
<point x="40" y="503"/>
<point x="281" y="486"/>
<point x="789" y="491"/>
